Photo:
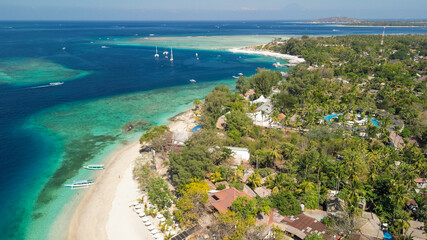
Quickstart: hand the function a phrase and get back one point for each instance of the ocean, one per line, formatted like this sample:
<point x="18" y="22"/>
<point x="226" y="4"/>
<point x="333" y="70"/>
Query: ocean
<point x="110" y="80"/>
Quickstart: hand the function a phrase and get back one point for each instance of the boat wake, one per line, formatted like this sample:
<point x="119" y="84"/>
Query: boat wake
<point x="49" y="85"/>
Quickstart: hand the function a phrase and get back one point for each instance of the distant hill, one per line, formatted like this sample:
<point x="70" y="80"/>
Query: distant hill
<point x="338" y="20"/>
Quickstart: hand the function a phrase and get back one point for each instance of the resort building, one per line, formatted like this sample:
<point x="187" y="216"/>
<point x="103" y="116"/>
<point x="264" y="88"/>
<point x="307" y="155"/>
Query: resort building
<point x="298" y="226"/>
<point x="240" y="155"/>
<point x="262" y="192"/>
<point x="421" y="183"/>
<point x="221" y="201"/>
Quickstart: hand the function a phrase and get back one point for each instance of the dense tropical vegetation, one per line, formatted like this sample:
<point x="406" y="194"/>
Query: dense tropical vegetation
<point x="300" y="156"/>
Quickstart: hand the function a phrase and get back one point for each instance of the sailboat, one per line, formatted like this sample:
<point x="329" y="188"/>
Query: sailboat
<point x="171" y="55"/>
<point x="157" y="54"/>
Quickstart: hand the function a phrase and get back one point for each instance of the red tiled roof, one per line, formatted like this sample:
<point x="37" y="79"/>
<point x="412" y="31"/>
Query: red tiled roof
<point x="223" y="199"/>
<point x="422" y="78"/>
<point x="299" y="224"/>
<point x="420" y="180"/>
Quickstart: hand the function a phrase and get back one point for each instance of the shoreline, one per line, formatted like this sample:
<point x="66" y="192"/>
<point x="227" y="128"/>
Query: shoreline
<point x="292" y="58"/>
<point x="103" y="212"/>
<point x="92" y="213"/>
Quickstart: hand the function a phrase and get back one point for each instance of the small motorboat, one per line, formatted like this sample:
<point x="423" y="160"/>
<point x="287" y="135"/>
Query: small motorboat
<point x="95" y="167"/>
<point x="192" y="80"/>
<point x="80" y="184"/>
<point x="56" y="83"/>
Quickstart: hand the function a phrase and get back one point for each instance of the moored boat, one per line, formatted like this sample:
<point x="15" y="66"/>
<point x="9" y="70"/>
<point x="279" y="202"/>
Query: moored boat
<point x="95" y="167"/>
<point x="56" y="83"/>
<point x="80" y="184"/>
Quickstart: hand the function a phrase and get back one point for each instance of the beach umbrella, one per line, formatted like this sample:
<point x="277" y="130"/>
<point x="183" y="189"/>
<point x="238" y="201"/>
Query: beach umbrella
<point x="154" y="231"/>
<point x="151" y="227"/>
<point x="138" y="206"/>
<point x="135" y="203"/>
<point x="142" y="214"/>
<point x="145" y="219"/>
<point x="157" y="236"/>
<point x="148" y="223"/>
<point x="139" y="210"/>
<point x="173" y="232"/>
<point x="159" y="216"/>
<point x="162" y="219"/>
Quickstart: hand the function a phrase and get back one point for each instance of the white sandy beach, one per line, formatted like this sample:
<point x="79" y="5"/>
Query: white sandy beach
<point x="106" y="203"/>
<point x="104" y="212"/>
<point x="292" y="59"/>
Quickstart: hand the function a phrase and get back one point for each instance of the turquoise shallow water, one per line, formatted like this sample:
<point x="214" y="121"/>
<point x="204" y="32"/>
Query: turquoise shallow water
<point x="48" y="133"/>
<point x="87" y="131"/>
<point x="32" y="71"/>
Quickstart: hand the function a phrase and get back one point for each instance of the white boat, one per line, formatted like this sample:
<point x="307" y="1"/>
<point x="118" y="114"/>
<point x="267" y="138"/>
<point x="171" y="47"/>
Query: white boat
<point x="56" y="83"/>
<point x="80" y="184"/>
<point x="95" y="167"/>
<point x="236" y="77"/>
<point x="157" y="54"/>
<point x="192" y="80"/>
<point x="240" y="74"/>
<point x="197" y="54"/>
<point x="151" y="34"/>
<point x="165" y="53"/>
<point x="278" y="64"/>
<point x="171" y="55"/>
<point x="104" y="47"/>
<point x="64" y="48"/>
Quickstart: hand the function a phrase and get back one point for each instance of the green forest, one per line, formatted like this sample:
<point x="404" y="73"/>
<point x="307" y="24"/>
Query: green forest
<point x="375" y="93"/>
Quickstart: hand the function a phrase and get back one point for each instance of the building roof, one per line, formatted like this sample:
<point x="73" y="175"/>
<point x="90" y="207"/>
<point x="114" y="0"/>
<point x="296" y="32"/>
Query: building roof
<point x="249" y="92"/>
<point x="261" y="99"/>
<point x="262" y="191"/>
<point x="396" y="139"/>
<point x="420" y="180"/>
<point x="369" y="226"/>
<point x="249" y="191"/>
<point x="300" y="225"/>
<point x="210" y="184"/>
<point x="223" y="199"/>
<point x="422" y="78"/>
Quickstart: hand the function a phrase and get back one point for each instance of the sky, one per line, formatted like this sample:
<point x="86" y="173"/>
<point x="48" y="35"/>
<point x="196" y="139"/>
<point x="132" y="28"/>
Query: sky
<point x="209" y="9"/>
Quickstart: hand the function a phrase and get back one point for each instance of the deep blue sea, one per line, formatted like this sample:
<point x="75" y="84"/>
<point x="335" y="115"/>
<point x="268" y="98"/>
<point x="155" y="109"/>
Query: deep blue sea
<point x="47" y="133"/>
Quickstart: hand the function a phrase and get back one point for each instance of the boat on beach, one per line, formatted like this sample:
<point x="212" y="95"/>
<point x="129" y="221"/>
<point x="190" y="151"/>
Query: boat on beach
<point x="80" y="184"/>
<point x="95" y="167"/>
<point x="56" y="83"/>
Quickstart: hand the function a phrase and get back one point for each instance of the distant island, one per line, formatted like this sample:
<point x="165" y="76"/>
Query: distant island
<point x="347" y="21"/>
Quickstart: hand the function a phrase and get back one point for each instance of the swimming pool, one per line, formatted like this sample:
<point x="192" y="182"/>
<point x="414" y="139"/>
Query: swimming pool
<point x="196" y="128"/>
<point x="375" y="122"/>
<point x="329" y="117"/>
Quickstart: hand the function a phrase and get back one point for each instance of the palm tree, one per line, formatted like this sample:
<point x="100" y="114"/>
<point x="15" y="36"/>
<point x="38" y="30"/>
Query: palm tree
<point x="255" y="179"/>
